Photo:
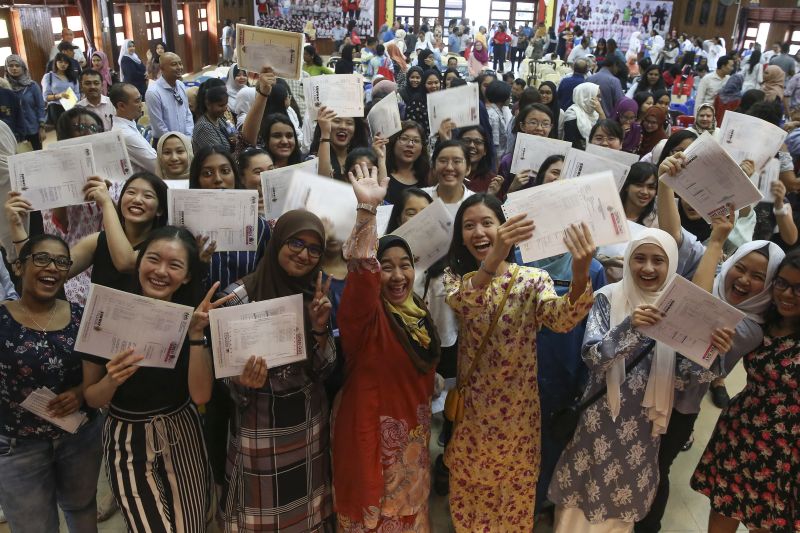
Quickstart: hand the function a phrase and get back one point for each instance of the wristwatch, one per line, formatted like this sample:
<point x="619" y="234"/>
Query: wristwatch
<point x="199" y="342"/>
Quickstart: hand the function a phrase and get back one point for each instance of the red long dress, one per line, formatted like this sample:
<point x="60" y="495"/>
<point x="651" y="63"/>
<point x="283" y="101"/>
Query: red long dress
<point x="381" y="425"/>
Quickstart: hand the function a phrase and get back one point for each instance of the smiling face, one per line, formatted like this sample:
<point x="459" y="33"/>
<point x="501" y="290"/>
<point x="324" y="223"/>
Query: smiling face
<point x="536" y="123"/>
<point x="476" y="145"/>
<point x="650" y="124"/>
<point x="647" y="104"/>
<point x="251" y="177"/>
<point x="139" y="202"/>
<point x="432" y="84"/>
<point x="787" y="302"/>
<point x="603" y="137"/>
<point x="408" y="146"/>
<point x="414" y="204"/>
<point x="43" y="283"/>
<point x="451" y="167"/>
<point x="641" y="194"/>
<point x="397" y="275"/>
<point x="415" y="79"/>
<point x="164" y="268"/>
<point x="746" y="278"/>
<point x="553" y="172"/>
<point x="174" y="158"/>
<point x="342" y="131"/>
<point x="298" y="264"/>
<point x="705" y="118"/>
<point x="281" y="142"/>
<point x="649" y="266"/>
<point x="215" y="110"/>
<point x="217" y="173"/>
<point x="546" y="93"/>
<point x="479" y="230"/>
<point x="241" y="78"/>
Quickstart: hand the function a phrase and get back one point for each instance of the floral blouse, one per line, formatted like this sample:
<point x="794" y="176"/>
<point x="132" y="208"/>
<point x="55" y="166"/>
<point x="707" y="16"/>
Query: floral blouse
<point x="30" y="359"/>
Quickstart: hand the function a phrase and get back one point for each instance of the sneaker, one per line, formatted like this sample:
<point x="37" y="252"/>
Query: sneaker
<point x="719" y="395"/>
<point x="688" y="444"/>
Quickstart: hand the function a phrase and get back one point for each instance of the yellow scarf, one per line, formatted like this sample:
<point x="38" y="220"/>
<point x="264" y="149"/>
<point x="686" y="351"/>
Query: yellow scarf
<point x="411" y="315"/>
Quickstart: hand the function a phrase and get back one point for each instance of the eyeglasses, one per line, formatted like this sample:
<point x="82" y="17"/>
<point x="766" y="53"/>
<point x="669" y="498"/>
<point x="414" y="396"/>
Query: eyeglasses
<point x="536" y="124"/>
<point x="43" y="259"/>
<point x="471" y="141"/>
<point x="456" y="161"/>
<point x="178" y="97"/>
<point x="781" y="285"/>
<point x="603" y="139"/>
<point x="298" y="245"/>
<point x="85" y="127"/>
<point x="411" y="141"/>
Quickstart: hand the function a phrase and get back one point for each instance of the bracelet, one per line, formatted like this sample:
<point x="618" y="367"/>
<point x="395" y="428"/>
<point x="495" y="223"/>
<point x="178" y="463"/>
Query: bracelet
<point x="782" y="211"/>
<point x="198" y="342"/>
<point x="20" y="241"/>
<point x="487" y="271"/>
<point x="325" y="140"/>
<point x="369" y="208"/>
<point x="325" y="331"/>
<point x="258" y="90"/>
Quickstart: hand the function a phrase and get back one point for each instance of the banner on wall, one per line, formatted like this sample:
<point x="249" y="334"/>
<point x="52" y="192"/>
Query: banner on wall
<point x="294" y="15"/>
<point x="617" y="19"/>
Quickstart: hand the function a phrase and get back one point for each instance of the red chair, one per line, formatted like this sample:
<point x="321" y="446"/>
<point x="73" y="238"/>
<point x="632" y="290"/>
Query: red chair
<point x="675" y="129"/>
<point x="684" y="121"/>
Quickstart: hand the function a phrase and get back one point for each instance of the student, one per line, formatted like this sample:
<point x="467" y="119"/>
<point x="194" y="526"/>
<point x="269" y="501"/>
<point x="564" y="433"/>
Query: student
<point x="451" y="165"/>
<point x="55" y="85"/>
<point x="407" y="161"/>
<point x="210" y="128"/>
<point x="626" y="114"/>
<point x="252" y="163"/>
<point x="153" y="445"/>
<point x="43" y="467"/>
<point x="638" y="194"/>
<point x="495" y="488"/>
<point x="417" y="109"/>
<point x="497" y="95"/>
<point x="132" y="70"/>
<point x="334" y="137"/>
<point x="380" y="318"/>
<point x="607" y="133"/>
<point x="174" y="156"/>
<point x="286" y="404"/>
<point x="534" y="119"/>
<point x="582" y="115"/>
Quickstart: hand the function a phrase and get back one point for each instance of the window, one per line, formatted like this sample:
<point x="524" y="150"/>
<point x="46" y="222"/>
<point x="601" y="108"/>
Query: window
<point x="705" y="11"/>
<point x="152" y="18"/>
<point x="414" y="12"/>
<point x="68" y="17"/>
<point x="719" y="18"/>
<point x="5" y="41"/>
<point x="688" y="16"/>
<point x="202" y="22"/>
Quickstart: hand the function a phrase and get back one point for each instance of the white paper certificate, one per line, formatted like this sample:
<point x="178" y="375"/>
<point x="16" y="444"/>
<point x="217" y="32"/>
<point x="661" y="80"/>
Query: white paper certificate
<point x="459" y="104"/>
<point x="275" y="185"/>
<point x="553" y="207"/>
<point x="111" y="159"/>
<point x="615" y="155"/>
<point x="428" y="234"/>
<point x="384" y="117"/>
<point x="530" y="151"/>
<point x="690" y="316"/>
<point x="325" y="197"/>
<point x="114" y="321"/>
<point x="342" y="93"/>
<point x="771" y="172"/>
<point x="52" y="178"/>
<point x="257" y="48"/>
<point x="272" y="329"/>
<point x="37" y="402"/>
<point x="746" y="137"/>
<point x="711" y="179"/>
<point x="383" y="217"/>
<point x="579" y="163"/>
<point x="228" y="217"/>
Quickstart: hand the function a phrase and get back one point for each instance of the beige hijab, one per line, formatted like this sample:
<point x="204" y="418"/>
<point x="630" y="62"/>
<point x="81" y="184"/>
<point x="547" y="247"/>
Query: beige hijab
<point x="161" y="171"/>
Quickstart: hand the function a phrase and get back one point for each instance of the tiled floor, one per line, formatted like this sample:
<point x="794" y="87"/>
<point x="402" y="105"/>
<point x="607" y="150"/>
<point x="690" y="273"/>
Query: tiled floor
<point x="687" y="511"/>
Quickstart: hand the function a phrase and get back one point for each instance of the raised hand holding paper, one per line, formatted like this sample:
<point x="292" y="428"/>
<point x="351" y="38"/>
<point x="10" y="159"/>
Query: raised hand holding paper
<point x="384" y="117"/>
<point x="746" y="137"/>
<point x="530" y="151"/>
<point x="110" y="154"/>
<point x="459" y="104"/>
<point x="341" y="93"/>
<point x="52" y="178"/>
<point x="230" y="218"/>
<point x="711" y="179"/>
<point x="428" y="234"/>
<point x="258" y="47"/>
<point x="553" y="207"/>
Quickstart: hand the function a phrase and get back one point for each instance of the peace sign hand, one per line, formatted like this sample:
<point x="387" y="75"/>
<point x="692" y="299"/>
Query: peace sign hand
<point x="200" y="317"/>
<point x="320" y="307"/>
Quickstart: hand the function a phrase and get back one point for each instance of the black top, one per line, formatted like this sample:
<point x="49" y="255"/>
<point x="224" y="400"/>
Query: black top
<point x="104" y="272"/>
<point x="395" y="191"/>
<point x="152" y="390"/>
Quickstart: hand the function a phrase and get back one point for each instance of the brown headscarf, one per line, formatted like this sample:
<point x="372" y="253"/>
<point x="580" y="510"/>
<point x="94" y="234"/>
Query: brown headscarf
<point x="397" y="56"/>
<point x="650" y="140"/>
<point x="270" y="280"/>
<point x="774" y="79"/>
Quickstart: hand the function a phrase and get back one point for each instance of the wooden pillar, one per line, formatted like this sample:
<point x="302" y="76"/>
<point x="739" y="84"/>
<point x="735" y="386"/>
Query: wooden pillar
<point x="214" y="46"/>
<point x="169" y="8"/>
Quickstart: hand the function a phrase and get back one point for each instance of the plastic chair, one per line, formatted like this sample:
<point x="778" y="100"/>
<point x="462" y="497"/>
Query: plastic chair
<point x="675" y="129"/>
<point x="684" y="121"/>
<point x="679" y="108"/>
<point x="690" y="106"/>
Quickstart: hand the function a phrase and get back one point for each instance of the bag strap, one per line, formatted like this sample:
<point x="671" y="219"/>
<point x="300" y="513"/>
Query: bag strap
<point x="599" y="394"/>
<point x="489" y="331"/>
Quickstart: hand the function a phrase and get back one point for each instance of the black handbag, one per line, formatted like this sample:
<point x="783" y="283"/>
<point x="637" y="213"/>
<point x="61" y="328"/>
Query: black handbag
<point x="564" y="421"/>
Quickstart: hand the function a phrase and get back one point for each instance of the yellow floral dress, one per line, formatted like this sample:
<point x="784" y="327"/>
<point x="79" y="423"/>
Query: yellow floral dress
<point x="494" y="453"/>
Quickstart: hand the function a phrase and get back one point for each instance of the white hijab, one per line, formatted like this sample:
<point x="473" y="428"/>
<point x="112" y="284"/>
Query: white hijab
<point x="582" y="109"/>
<point x="624" y="297"/>
<point x="123" y="52"/>
<point x="755" y="306"/>
<point x="232" y="87"/>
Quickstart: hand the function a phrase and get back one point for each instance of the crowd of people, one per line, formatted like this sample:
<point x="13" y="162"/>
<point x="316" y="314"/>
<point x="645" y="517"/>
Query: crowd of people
<point x="340" y="440"/>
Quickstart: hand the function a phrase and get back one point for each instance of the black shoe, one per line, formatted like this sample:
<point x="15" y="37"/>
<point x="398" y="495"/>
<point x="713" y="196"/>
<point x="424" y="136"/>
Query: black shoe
<point x="688" y="444"/>
<point x="440" y="441"/>
<point x="719" y="395"/>
<point x="441" y="477"/>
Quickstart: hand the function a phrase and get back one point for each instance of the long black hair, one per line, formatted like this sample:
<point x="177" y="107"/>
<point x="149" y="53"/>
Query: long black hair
<point x="422" y="166"/>
<point x="399" y="207"/>
<point x="159" y="187"/>
<point x="639" y="173"/>
<point x="200" y="157"/>
<point x="360" y="140"/>
<point x="205" y="87"/>
<point x="461" y="260"/>
<point x="188" y="293"/>
<point x="316" y="58"/>
<point x="484" y="166"/>
<point x="266" y="128"/>
<point x="611" y="127"/>
<point x="543" y="168"/>
<point x="674" y="140"/>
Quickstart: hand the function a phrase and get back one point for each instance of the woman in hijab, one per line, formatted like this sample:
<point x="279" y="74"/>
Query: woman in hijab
<point x="417" y="110"/>
<point x="290" y="407"/>
<point x="640" y="379"/>
<point x="583" y="114"/>
<point x="413" y="87"/>
<point x="100" y="64"/>
<point x="382" y="433"/>
<point x="548" y="98"/>
<point x="175" y="156"/>
<point x="478" y="59"/>
<point x="704" y="120"/>
<point x="652" y="130"/>
<point x="132" y="70"/>
<point x="399" y="62"/>
<point x="774" y="78"/>
<point x="235" y="82"/>
<point x="31" y="101"/>
<point x="625" y="113"/>
<point x="729" y="97"/>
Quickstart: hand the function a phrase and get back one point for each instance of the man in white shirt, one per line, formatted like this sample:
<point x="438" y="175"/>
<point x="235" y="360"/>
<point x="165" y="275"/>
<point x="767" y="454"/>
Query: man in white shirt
<point x="228" y="34"/>
<point x="167" y="102"/>
<point x="67" y="35"/>
<point x="128" y="102"/>
<point x="94" y="99"/>
<point x="712" y="83"/>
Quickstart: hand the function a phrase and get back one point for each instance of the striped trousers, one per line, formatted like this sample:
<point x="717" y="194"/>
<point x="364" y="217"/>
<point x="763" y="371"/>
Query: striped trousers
<point x="158" y="470"/>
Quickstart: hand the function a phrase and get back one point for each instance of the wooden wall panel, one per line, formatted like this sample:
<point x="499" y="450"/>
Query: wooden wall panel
<point x="37" y="37"/>
<point x="136" y="28"/>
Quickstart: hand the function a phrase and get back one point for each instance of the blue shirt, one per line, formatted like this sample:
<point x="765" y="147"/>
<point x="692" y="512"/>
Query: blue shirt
<point x="454" y="43"/>
<point x="7" y="291"/>
<point x="610" y="90"/>
<point x="166" y="113"/>
<point x="52" y="84"/>
<point x="387" y="36"/>
<point x="31" y="103"/>
<point x="565" y="89"/>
